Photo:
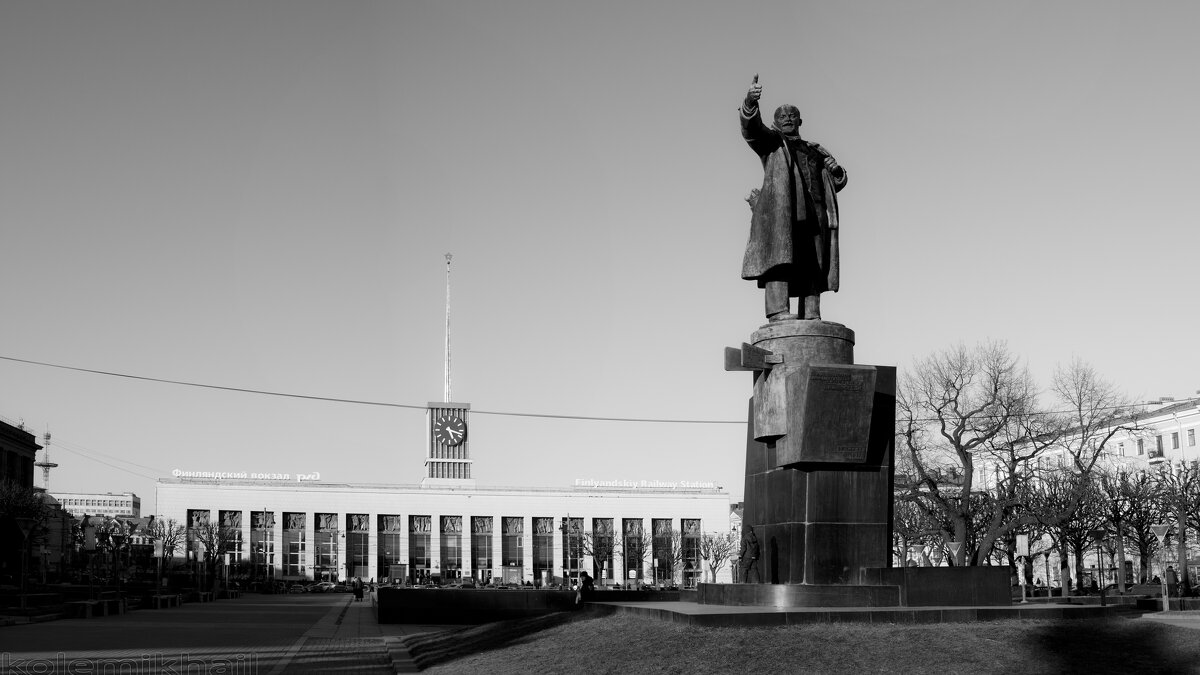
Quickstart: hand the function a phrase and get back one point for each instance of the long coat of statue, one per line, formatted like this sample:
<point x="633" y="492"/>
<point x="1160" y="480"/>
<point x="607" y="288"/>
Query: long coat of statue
<point x="794" y="227"/>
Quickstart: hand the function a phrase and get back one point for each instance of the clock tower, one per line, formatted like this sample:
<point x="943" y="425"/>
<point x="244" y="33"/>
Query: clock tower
<point x="448" y="445"/>
<point x="447" y="429"/>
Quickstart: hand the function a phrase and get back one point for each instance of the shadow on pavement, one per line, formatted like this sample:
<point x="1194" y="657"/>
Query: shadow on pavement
<point x="1109" y="646"/>
<point x="433" y="648"/>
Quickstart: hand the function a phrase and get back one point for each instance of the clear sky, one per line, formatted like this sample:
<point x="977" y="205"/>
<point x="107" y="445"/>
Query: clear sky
<point x="259" y="195"/>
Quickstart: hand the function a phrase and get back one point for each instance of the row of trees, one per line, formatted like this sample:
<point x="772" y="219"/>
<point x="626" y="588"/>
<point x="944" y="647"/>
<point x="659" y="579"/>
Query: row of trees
<point x="983" y="455"/>
<point x="713" y="549"/>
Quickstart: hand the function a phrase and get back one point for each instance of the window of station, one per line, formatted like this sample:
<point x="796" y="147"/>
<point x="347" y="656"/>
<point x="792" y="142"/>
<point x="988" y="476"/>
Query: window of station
<point x="601" y="547"/>
<point x="357" y="535"/>
<point x="198" y="534"/>
<point x="512" y="549"/>
<point x="481" y="548"/>
<point x="572" y="547"/>
<point x="663" y="551"/>
<point x="693" y="570"/>
<point x="262" y="544"/>
<point x="633" y="549"/>
<point x="543" y="550"/>
<point x="1191" y="436"/>
<point x="231" y="538"/>
<point x="294" y="546"/>
<point x="419" y="558"/>
<point x="451" y="540"/>
<point x="325" y="547"/>
<point x="390" y="558"/>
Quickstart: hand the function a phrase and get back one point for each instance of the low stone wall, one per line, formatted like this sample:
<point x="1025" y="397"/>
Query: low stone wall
<point x="947" y="586"/>
<point x="468" y="606"/>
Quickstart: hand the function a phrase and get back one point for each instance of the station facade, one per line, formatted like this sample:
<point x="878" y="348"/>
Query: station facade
<point x="318" y="531"/>
<point x="447" y="528"/>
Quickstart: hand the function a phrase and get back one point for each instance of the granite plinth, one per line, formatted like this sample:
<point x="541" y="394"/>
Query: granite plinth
<point x="798" y="595"/>
<point x="881" y="587"/>
<point x="819" y="467"/>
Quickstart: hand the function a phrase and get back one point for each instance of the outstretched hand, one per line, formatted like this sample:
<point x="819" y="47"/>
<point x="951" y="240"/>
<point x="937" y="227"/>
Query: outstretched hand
<point x="754" y="93"/>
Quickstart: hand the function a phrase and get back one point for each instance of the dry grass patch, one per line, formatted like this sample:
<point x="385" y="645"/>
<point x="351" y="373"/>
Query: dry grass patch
<point x="619" y="644"/>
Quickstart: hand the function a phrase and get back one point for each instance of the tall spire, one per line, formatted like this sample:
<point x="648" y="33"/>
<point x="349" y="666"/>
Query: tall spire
<point x="446" y="393"/>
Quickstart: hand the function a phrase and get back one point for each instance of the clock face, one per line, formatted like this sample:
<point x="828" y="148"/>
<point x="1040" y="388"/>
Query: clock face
<point x="450" y="430"/>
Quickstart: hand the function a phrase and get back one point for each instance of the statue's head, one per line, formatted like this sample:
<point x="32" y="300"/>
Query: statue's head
<point x="787" y="119"/>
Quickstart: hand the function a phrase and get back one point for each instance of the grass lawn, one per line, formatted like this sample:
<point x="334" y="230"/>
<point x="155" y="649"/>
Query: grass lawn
<point x="612" y="644"/>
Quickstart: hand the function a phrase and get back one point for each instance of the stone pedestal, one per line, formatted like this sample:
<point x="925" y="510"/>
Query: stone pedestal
<point x="819" y="465"/>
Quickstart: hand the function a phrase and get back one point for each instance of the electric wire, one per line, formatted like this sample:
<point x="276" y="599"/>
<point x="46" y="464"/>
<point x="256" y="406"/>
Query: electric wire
<point x="351" y="401"/>
<point x="385" y="404"/>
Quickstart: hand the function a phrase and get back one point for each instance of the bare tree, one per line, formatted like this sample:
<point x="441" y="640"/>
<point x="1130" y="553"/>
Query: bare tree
<point x="171" y="534"/>
<point x="1131" y="504"/>
<point x="1069" y="505"/>
<point x="717" y="549"/>
<point x="951" y="407"/>
<point x="1180" y="497"/>
<point x="603" y="548"/>
<point x="25" y="507"/>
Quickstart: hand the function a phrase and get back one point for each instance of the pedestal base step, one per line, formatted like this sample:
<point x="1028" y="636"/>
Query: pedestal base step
<point x="798" y="595"/>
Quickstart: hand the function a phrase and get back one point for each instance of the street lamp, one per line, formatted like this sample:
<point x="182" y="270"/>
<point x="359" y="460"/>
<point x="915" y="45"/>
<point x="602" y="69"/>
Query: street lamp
<point x="1160" y="531"/>
<point x="1097" y="536"/>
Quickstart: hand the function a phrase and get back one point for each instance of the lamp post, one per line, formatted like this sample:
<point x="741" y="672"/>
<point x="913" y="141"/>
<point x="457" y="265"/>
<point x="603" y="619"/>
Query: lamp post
<point x="1097" y="536"/>
<point x="1160" y="531"/>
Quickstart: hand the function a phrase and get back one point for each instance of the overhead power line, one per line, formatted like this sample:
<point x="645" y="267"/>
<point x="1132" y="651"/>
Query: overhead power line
<point x="351" y="401"/>
<point x="385" y="404"/>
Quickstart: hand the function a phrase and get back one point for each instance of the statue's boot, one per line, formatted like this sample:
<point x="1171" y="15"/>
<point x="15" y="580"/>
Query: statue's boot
<point x="778" y="308"/>
<point x="812" y="307"/>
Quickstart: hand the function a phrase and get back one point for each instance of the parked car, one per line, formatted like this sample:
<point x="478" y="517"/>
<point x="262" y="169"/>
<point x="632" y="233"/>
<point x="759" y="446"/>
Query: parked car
<point x="340" y="588"/>
<point x="297" y="588"/>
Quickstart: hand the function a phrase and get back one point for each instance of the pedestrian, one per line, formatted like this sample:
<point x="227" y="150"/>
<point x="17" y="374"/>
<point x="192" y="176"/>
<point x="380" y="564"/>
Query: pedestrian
<point x="586" y="588"/>
<point x="1172" y="581"/>
<point x="748" y="557"/>
<point x="358" y="589"/>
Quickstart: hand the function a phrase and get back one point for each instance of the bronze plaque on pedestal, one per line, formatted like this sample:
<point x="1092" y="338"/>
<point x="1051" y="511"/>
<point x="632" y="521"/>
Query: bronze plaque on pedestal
<point x="830" y="414"/>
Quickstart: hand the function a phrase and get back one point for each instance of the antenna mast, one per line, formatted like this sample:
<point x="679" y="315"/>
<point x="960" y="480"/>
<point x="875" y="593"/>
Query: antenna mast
<point x="46" y="464"/>
<point x="446" y="393"/>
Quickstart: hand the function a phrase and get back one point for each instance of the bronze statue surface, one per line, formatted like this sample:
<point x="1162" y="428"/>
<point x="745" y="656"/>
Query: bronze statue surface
<point x="793" y="247"/>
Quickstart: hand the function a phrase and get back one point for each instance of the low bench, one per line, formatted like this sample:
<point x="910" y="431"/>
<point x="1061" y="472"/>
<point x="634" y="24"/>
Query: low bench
<point x="231" y="593"/>
<point x="86" y="609"/>
<point x="200" y="596"/>
<point x="161" y="601"/>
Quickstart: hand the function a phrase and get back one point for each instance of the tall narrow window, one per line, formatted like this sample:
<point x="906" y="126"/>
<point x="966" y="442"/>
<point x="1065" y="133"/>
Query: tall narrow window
<point x="543" y="550"/>
<point x="513" y="549"/>
<point x="481" y="548"/>
<point x="357" y="533"/>
<point x="294" y="548"/>
<point x="601" y="547"/>
<point x="572" y="533"/>
<point x="390" y="558"/>
<point x="634" y="548"/>
<point x="419" y="557"/>
<point x="451" y="540"/>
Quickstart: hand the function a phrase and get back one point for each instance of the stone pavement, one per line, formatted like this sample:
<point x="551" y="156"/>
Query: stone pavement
<point x="254" y="634"/>
<point x="1184" y="619"/>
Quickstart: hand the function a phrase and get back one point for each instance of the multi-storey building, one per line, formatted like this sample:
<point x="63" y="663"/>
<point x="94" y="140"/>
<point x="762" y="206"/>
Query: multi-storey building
<point x="112" y="504"/>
